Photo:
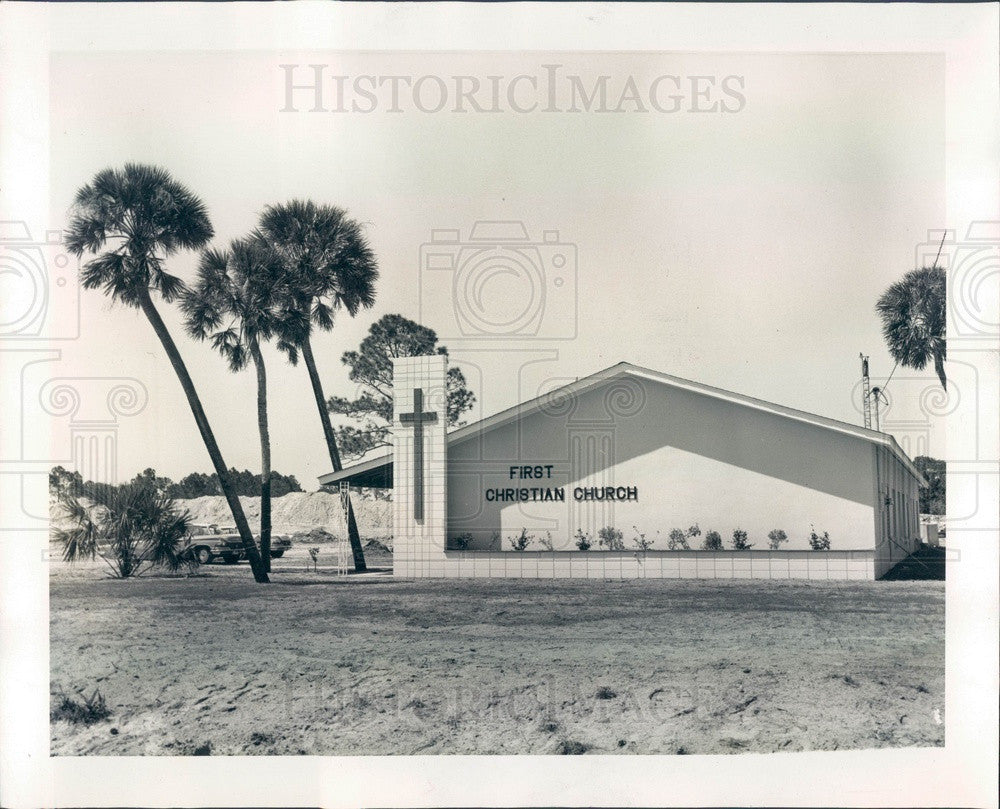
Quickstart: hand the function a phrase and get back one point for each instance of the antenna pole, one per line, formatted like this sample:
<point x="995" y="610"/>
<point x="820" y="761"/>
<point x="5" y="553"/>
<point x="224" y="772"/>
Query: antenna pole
<point x="866" y="392"/>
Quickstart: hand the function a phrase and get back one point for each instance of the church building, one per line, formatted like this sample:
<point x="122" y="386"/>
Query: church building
<point x="630" y="473"/>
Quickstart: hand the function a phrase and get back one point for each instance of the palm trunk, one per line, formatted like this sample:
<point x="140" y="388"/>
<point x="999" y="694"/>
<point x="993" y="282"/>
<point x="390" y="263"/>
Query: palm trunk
<point x="265" y="457"/>
<point x="146" y="303"/>
<point x="939" y="368"/>
<point x="331" y="445"/>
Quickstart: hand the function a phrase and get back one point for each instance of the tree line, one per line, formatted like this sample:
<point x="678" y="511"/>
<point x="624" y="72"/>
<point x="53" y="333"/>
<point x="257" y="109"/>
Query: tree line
<point x="196" y="484"/>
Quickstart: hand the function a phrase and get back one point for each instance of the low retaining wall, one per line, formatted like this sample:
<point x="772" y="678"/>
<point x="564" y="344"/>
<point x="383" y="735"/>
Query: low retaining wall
<point x="638" y="565"/>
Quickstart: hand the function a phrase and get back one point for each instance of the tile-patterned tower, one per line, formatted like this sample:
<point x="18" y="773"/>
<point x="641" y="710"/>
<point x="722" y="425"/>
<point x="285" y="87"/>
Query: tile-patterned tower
<point x="419" y="472"/>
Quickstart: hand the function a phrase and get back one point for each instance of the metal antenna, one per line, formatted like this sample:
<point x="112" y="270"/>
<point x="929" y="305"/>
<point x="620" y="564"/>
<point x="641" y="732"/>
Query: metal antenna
<point x="866" y="391"/>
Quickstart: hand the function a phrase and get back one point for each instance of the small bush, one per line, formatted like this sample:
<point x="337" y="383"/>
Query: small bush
<point x="461" y="542"/>
<point x="693" y="531"/>
<point x="546" y="542"/>
<point x="571" y="748"/>
<point x="85" y="711"/>
<point x="776" y="538"/>
<point x="817" y="542"/>
<point x="521" y="541"/>
<point x="640" y="540"/>
<point x="582" y="540"/>
<point x="713" y="541"/>
<point x="677" y="540"/>
<point x="740" y="541"/>
<point x="495" y="544"/>
<point x="611" y="538"/>
<point x="605" y="693"/>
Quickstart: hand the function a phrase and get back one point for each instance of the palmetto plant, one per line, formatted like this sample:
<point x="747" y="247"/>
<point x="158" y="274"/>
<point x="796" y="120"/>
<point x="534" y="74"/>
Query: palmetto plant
<point x="914" y="314"/>
<point x="330" y="266"/>
<point x="132" y="219"/>
<point x="130" y="527"/>
<point x="239" y="301"/>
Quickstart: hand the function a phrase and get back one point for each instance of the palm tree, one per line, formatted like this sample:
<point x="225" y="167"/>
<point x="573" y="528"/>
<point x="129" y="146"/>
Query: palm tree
<point x="149" y="216"/>
<point x="913" y="313"/>
<point x="330" y="266"/>
<point x="131" y="527"/>
<point x="237" y="301"/>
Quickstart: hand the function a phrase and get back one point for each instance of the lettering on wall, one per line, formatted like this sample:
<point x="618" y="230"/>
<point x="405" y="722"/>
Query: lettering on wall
<point x="545" y="494"/>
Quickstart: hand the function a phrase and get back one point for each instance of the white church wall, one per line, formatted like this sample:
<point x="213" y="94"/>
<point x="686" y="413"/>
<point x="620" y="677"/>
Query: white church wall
<point x="691" y="458"/>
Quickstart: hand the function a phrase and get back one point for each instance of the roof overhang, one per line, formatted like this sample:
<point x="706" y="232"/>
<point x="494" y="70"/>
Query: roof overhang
<point x="375" y="473"/>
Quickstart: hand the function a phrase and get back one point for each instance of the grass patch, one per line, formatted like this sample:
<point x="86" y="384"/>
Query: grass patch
<point x="83" y="711"/>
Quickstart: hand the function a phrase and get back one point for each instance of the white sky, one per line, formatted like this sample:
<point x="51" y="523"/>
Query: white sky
<point x="742" y="250"/>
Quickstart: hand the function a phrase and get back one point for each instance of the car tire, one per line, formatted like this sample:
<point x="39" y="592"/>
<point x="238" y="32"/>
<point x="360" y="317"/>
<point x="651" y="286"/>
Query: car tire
<point x="230" y="560"/>
<point x="277" y="554"/>
<point x="203" y="555"/>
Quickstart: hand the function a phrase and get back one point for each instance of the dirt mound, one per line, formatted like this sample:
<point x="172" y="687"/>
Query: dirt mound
<point x="299" y="512"/>
<point x="316" y="536"/>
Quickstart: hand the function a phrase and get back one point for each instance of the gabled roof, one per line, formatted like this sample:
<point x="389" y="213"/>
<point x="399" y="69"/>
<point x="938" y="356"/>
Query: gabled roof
<point x="379" y="467"/>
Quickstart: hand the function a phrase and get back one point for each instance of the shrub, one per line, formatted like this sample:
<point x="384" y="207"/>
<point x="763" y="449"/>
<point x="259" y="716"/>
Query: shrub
<point x="546" y="541"/>
<point x="131" y="527"/>
<point x="678" y="540"/>
<point x="817" y="542"/>
<point x="521" y="541"/>
<point x="693" y="531"/>
<point x="461" y="542"/>
<point x="583" y="540"/>
<point x="85" y="711"/>
<point x="777" y="536"/>
<point x="640" y="540"/>
<point x="569" y="747"/>
<point x="713" y="541"/>
<point x="610" y="538"/>
<point x="740" y="541"/>
<point x="495" y="544"/>
<point x="314" y="555"/>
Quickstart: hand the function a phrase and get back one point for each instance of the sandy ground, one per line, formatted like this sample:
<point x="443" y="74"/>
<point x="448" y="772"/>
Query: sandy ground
<point x="320" y="664"/>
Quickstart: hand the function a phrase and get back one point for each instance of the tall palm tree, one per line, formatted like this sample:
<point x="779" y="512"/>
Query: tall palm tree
<point x="914" y="319"/>
<point x="148" y="216"/>
<point x="238" y="302"/>
<point x="330" y="266"/>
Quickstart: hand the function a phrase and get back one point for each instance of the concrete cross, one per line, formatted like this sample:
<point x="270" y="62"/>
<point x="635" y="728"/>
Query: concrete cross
<point x="417" y="418"/>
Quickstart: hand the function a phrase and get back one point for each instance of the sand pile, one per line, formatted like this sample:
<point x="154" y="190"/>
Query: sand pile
<point x="298" y="512"/>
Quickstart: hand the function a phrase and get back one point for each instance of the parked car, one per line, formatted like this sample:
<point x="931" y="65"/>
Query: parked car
<point x="279" y="544"/>
<point x="208" y="543"/>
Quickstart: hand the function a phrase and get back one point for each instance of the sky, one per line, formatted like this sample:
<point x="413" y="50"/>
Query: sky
<point x="744" y="248"/>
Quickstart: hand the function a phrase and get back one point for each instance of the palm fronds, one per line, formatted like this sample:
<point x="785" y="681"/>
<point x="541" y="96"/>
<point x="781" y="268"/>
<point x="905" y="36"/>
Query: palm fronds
<point x="147" y="215"/>
<point x="914" y="315"/>
<point x="130" y="527"/>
